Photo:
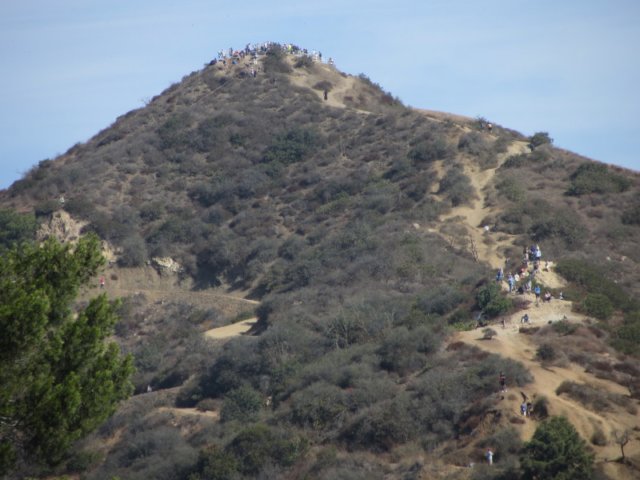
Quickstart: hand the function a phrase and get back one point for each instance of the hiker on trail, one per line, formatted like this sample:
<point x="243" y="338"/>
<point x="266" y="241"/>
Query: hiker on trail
<point x="489" y="127"/>
<point x="547" y="296"/>
<point x="502" y="322"/>
<point x="538" y="253"/>
<point x="503" y="382"/>
<point x="525" y="318"/>
<point x="489" y="456"/>
<point x="523" y="408"/>
<point x="537" y="291"/>
<point x="500" y="275"/>
<point x="511" y="281"/>
<point x="102" y="282"/>
<point x="326" y="93"/>
<point x="561" y="296"/>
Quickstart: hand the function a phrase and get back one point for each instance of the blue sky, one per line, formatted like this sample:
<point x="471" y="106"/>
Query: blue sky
<point x="572" y="67"/>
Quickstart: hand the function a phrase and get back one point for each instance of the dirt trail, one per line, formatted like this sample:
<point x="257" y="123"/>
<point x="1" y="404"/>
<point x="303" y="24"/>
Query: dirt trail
<point x="517" y="346"/>
<point x="233" y="330"/>
<point x="485" y="243"/>
<point x="510" y="343"/>
<point x="341" y="86"/>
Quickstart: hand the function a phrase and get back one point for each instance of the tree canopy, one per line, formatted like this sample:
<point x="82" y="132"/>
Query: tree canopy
<point x="556" y="451"/>
<point x="59" y="379"/>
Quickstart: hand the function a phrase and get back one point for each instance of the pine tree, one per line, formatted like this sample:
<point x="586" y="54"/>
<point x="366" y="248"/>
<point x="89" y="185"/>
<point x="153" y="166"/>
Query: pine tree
<point x="59" y="379"/>
<point x="556" y="451"/>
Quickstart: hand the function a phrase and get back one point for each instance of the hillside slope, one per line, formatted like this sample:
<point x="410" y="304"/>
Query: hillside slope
<point x="359" y="233"/>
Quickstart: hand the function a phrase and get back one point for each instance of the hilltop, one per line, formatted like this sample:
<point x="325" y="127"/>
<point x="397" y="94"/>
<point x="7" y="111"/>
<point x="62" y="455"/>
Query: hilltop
<point x="357" y="240"/>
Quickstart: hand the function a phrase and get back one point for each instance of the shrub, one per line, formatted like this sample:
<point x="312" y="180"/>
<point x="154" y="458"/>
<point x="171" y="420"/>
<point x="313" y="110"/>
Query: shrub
<point x="275" y="60"/>
<point x="631" y="216"/>
<point x="594" y="280"/>
<point x="241" y="404"/>
<point x="433" y="147"/>
<point x="596" y="178"/>
<point x="540" y="407"/>
<point x="134" y="252"/>
<point x="304" y="61"/>
<point x="546" y="352"/>
<point x="539" y="138"/>
<point x="258" y="445"/>
<point x="516" y="161"/>
<point x="215" y="464"/>
<point x="597" y="305"/>
<point x="320" y="406"/>
<point x="456" y="187"/>
<point x="564" y="327"/>
<point x="291" y="147"/>
<point x="383" y="426"/>
<point x="488" y="333"/>
<point x="16" y="228"/>
<point x="511" y="189"/>
<point x="599" y="438"/>
<point x="440" y="300"/>
<point x="626" y="338"/>
<point x="556" y="451"/>
<point x="560" y="223"/>
<point x="492" y="301"/>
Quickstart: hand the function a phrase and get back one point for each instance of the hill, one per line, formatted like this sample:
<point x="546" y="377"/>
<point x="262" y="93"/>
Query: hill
<point x="364" y="235"/>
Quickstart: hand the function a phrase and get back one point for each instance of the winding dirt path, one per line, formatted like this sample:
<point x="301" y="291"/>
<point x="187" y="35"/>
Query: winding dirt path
<point x="510" y="343"/>
<point x="486" y="244"/>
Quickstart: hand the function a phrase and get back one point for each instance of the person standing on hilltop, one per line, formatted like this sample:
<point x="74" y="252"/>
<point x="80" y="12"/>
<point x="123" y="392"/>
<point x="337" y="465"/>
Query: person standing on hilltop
<point x="326" y="94"/>
<point x="503" y="382"/>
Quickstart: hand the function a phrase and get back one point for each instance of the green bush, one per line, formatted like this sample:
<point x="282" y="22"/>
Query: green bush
<point x="432" y="147"/>
<point x="320" y="406"/>
<point x="596" y="178"/>
<point x="556" y="451"/>
<point x="597" y="305"/>
<point x="456" y="187"/>
<point x="511" y="189"/>
<point x="16" y="228"/>
<point x="626" y="337"/>
<point x="291" y="147"/>
<point x="564" y="327"/>
<point x="243" y="404"/>
<point x="259" y="445"/>
<point x="560" y="223"/>
<point x="594" y="280"/>
<point x="215" y="464"/>
<point x="539" y="138"/>
<point x="516" y="161"/>
<point x="492" y="301"/>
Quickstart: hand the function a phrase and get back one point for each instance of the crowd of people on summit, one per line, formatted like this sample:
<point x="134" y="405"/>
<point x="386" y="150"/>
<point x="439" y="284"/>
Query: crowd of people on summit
<point x="254" y="51"/>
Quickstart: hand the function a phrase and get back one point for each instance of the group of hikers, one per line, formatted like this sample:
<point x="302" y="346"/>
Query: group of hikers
<point x="523" y="280"/>
<point x="253" y="51"/>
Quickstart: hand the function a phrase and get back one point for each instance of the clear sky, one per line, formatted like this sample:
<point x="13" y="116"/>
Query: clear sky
<point x="568" y="67"/>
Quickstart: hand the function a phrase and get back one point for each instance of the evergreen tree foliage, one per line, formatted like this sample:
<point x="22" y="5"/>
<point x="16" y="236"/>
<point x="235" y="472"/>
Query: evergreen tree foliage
<point x="16" y="228"/>
<point x="59" y="379"/>
<point x="557" y="452"/>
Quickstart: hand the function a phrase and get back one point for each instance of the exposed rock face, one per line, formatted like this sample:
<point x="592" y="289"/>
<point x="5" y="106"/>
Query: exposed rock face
<point x="166" y="266"/>
<point x="61" y="226"/>
<point x="66" y="229"/>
